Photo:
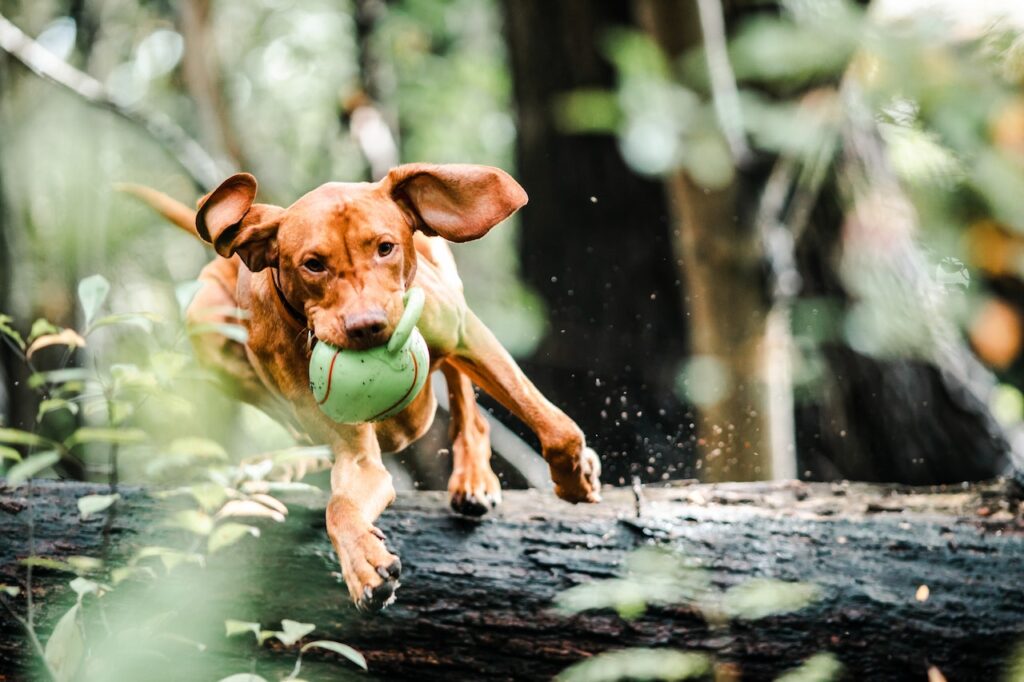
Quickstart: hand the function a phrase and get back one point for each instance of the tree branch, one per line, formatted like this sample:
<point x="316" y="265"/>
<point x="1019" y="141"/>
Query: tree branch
<point x="201" y="168"/>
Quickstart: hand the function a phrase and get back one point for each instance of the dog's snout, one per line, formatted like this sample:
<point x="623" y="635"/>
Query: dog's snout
<point x="365" y="326"/>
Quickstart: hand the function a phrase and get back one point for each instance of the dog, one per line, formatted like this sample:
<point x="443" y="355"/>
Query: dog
<point x="334" y="266"/>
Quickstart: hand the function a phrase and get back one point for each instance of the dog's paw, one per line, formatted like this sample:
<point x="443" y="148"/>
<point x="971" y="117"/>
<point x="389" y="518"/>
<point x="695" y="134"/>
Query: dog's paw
<point x="474" y="493"/>
<point x="371" y="572"/>
<point x="581" y="482"/>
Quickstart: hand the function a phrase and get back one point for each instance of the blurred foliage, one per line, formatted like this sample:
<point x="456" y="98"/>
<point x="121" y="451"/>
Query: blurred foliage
<point x="945" y="96"/>
<point x="121" y="398"/>
<point x="638" y="664"/>
<point x="286" y="73"/>
<point x="134" y="416"/>
<point x="658" y="578"/>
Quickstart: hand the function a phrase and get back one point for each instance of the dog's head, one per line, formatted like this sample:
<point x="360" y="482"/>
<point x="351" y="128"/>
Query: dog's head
<point x="344" y="252"/>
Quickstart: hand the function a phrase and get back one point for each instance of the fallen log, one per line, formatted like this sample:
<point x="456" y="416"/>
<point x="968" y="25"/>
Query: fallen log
<point x="476" y="597"/>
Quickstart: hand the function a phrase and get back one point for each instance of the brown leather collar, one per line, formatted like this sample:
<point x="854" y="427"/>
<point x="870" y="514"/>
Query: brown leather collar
<point x="291" y="315"/>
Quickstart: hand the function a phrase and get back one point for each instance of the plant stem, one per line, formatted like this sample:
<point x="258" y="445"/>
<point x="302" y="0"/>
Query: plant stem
<point x="36" y="644"/>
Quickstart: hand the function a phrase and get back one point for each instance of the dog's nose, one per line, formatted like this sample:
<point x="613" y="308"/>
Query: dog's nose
<point x="366" y="325"/>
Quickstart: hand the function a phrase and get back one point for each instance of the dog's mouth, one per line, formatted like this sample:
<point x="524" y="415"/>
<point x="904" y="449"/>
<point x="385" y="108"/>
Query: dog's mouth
<point x="346" y="343"/>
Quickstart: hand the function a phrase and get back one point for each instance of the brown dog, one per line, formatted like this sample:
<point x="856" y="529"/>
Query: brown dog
<point x="336" y="264"/>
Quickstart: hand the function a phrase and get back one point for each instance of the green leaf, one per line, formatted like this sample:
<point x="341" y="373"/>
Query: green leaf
<point x="89" y="434"/>
<point x="26" y="469"/>
<point x="192" y="520"/>
<point x="242" y="677"/>
<point x="635" y="54"/>
<point x="143" y="321"/>
<point x="84" y="586"/>
<point x="588" y="110"/>
<point x="54" y="404"/>
<point x="185" y="292"/>
<point x="10" y="590"/>
<point x="170" y="558"/>
<point x="235" y="332"/>
<point x="40" y="327"/>
<point x="92" y="292"/>
<point x="19" y="437"/>
<point x="44" y="562"/>
<point x="202" y="448"/>
<point x="1015" y="666"/>
<point x="338" y="648"/>
<point x="823" y="667"/>
<point x="167" y="366"/>
<point x="300" y="453"/>
<point x="638" y="664"/>
<point x="65" y="337"/>
<point x="654" y="577"/>
<point x="9" y="453"/>
<point x="210" y="495"/>
<point x="122" y="573"/>
<point x="765" y="597"/>
<point x="65" y="647"/>
<point x="84" y="564"/>
<point x="310" y="492"/>
<point x="775" y="51"/>
<point x="10" y="332"/>
<point x="227" y="534"/>
<point x="129" y="376"/>
<point x="60" y="376"/>
<point x="292" y="631"/>
<point x="94" y="504"/>
<point x="239" y="627"/>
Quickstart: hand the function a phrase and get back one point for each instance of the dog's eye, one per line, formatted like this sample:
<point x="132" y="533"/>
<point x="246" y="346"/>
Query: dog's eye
<point x="385" y="248"/>
<point x="314" y="265"/>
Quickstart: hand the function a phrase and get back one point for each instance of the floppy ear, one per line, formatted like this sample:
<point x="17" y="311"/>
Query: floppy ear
<point x="228" y="219"/>
<point x="459" y="202"/>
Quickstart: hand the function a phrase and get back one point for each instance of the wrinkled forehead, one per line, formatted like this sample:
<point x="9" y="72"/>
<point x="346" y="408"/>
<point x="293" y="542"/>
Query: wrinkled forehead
<point x="342" y="209"/>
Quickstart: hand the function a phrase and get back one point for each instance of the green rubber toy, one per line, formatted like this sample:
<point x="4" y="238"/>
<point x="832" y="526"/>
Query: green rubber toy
<point x="356" y="386"/>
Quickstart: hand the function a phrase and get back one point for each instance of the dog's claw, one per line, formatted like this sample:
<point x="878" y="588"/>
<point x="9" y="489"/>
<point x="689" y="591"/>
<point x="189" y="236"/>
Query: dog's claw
<point x="470" y="504"/>
<point x="392" y="571"/>
<point x="380" y="596"/>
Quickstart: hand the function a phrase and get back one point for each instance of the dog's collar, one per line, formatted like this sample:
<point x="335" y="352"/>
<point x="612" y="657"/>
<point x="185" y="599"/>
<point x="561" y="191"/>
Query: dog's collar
<point x="289" y="312"/>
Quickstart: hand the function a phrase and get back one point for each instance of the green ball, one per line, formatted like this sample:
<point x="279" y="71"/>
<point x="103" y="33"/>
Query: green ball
<point x="355" y="386"/>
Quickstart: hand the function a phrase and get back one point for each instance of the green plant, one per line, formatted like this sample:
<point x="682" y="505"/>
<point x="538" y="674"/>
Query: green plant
<point x="657" y="577"/>
<point x="216" y="500"/>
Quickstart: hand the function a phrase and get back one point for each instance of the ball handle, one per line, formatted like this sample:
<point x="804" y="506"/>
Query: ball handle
<point x="414" y="299"/>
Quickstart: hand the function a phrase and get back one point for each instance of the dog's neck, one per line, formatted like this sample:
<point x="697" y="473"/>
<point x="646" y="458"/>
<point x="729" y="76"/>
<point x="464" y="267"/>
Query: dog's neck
<point x="291" y="315"/>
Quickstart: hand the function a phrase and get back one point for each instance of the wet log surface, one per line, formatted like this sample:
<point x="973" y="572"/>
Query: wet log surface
<point x="475" y="600"/>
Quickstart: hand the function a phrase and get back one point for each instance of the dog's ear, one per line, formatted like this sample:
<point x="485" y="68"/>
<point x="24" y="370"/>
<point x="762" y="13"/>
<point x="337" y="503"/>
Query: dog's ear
<point x="228" y="219"/>
<point x="459" y="202"/>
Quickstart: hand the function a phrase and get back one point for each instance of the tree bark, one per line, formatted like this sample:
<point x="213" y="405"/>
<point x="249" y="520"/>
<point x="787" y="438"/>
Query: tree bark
<point x="476" y="597"/>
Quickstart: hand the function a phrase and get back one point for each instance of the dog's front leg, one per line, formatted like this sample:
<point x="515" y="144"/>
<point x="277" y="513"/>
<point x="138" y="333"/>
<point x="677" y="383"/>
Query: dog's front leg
<point x="360" y="490"/>
<point x="575" y="468"/>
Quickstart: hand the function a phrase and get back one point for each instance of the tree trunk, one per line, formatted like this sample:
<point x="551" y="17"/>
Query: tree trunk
<point x="745" y="424"/>
<point x="595" y="245"/>
<point x="915" y="414"/>
<point x="476" y="597"/>
<point x="201" y="71"/>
